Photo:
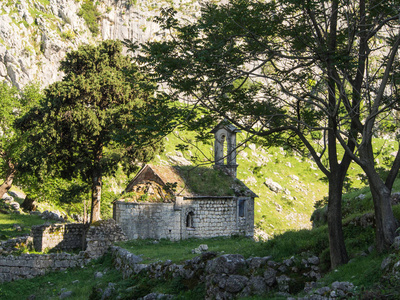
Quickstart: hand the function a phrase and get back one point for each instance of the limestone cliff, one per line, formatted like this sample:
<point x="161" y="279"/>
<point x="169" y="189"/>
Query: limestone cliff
<point x="35" y="35"/>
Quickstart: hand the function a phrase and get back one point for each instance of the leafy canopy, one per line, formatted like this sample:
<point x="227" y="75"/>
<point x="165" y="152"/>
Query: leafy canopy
<point x="95" y="118"/>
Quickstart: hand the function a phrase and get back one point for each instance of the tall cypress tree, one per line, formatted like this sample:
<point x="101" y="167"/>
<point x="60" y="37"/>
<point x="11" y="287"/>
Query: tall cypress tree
<point x="94" y="119"/>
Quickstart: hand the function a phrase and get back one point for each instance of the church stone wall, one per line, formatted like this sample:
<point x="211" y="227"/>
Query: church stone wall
<point x="148" y="220"/>
<point x="210" y="217"/>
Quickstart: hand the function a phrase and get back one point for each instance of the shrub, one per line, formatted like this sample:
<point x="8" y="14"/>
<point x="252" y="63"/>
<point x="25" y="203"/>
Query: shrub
<point x="90" y="14"/>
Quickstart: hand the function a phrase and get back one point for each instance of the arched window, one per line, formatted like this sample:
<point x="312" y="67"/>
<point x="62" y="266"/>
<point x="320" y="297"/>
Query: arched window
<point x="241" y="208"/>
<point x="224" y="149"/>
<point x="189" y="220"/>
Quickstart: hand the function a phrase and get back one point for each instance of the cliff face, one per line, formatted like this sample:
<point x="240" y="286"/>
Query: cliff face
<point x="35" y="35"/>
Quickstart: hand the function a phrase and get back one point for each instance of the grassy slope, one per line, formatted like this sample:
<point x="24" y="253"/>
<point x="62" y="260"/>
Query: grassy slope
<point x="290" y="209"/>
<point x="275" y="213"/>
<point x="363" y="271"/>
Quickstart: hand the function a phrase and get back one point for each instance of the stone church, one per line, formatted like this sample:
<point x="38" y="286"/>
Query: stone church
<point x="160" y="203"/>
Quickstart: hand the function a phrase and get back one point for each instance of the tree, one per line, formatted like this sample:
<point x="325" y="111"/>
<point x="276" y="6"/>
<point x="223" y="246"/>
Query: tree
<point x="94" y="119"/>
<point x="14" y="103"/>
<point x="9" y="103"/>
<point x="310" y="74"/>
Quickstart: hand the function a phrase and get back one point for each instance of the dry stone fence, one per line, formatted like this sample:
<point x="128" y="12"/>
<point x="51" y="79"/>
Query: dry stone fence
<point x="94" y="240"/>
<point x="231" y="276"/>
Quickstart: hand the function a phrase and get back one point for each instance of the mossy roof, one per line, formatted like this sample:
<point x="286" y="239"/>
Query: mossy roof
<point x="192" y="181"/>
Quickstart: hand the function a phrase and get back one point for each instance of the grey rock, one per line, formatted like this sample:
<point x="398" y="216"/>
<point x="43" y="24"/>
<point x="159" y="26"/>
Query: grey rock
<point x="272" y="185"/>
<point x="323" y="291"/>
<point x="283" y="283"/>
<point x="314" y="260"/>
<point x="7" y="198"/>
<point x="227" y="264"/>
<point x="309" y="286"/>
<point x="289" y="262"/>
<point x="3" y="70"/>
<point x="371" y="249"/>
<point x="344" y="286"/>
<point x="15" y="205"/>
<point x="98" y="275"/>
<point x="108" y="292"/>
<point x="270" y="276"/>
<point x="202" y="248"/>
<point x="257" y="285"/>
<point x="396" y="243"/>
<point x="66" y="294"/>
<point x="17" y="227"/>
<point x="255" y="263"/>
<point x="235" y="283"/>
<point x="156" y="296"/>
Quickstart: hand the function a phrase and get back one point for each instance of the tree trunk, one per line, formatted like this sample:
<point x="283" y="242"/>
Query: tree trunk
<point x="96" y="195"/>
<point x="8" y="180"/>
<point x="338" y="253"/>
<point x="386" y="223"/>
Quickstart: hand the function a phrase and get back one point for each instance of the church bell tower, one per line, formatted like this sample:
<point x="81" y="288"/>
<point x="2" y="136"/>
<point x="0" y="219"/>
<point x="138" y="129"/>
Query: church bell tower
<point x="225" y="147"/>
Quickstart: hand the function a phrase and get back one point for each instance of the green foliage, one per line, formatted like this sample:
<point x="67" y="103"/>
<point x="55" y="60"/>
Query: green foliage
<point x="14" y="103"/>
<point x="362" y="272"/>
<point x="91" y="15"/>
<point x="290" y="242"/>
<point x="103" y="113"/>
<point x="294" y="77"/>
<point x="68" y="35"/>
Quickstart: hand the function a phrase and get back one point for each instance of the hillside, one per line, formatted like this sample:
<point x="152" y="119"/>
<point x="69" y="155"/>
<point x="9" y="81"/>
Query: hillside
<point x="289" y="185"/>
<point x="35" y="35"/>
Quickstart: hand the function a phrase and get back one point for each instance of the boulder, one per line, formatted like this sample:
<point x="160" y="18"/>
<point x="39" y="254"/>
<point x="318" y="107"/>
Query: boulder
<point x="272" y="185"/>
<point x="226" y="264"/>
<point x="270" y="276"/>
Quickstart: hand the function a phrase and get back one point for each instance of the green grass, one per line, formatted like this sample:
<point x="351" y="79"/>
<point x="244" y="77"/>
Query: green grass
<point x="25" y="221"/>
<point x="207" y="181"/>
<point x="50" y="286"/>
<point x="361" y="271"/>
<point x="153" y="251"/>
<point x="274" y="212"/>
<point x="84" y="285"/>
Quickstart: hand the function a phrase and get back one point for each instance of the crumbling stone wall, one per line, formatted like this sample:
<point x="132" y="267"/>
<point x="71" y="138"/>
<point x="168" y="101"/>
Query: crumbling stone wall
<point x="100" y="236"/>
<point x="31" y="265"/>
<point x="231" y="276"/>
<point x="210" y="217"/>
<point x="59" y="236"/>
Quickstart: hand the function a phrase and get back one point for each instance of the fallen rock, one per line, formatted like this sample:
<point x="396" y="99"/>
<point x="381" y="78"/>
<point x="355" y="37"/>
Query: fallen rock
<point x="272" y="185"/>
<point x="202" y="248"/>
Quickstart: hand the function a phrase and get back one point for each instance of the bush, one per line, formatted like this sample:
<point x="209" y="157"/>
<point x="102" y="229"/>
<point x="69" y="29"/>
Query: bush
<point x="90" y="14"/>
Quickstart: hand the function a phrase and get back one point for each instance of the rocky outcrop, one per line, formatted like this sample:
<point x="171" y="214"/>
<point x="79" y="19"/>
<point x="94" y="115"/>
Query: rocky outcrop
<point x="34" y="36"/>
<point x="228" y="276"/>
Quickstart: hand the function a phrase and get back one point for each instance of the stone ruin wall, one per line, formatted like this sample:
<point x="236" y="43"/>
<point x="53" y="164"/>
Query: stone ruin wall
<point x="212" y="217"/>
<point x="32" y="265"/>
<point x="59" y="236"/>
<point x="99" y="237"/>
